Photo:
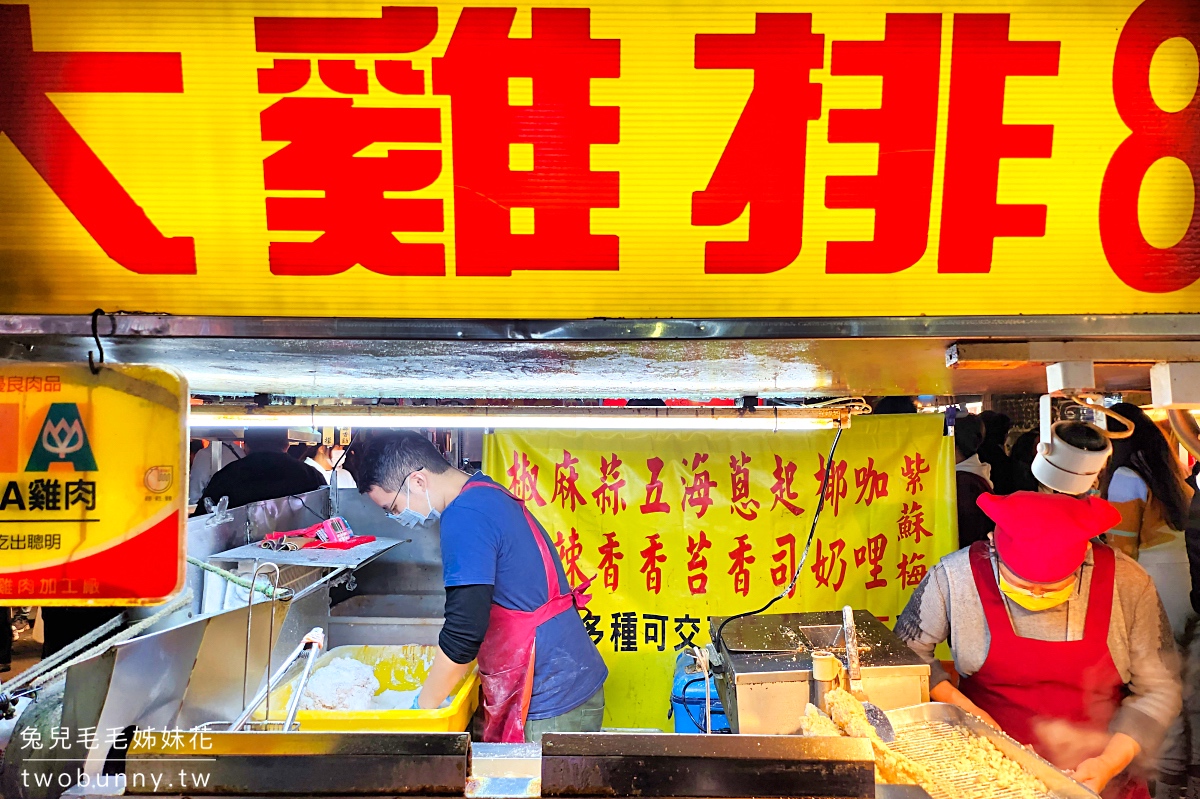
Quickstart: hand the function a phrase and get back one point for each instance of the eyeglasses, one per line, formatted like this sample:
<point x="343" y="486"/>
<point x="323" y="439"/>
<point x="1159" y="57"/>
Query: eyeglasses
<point x="391" y="508"/>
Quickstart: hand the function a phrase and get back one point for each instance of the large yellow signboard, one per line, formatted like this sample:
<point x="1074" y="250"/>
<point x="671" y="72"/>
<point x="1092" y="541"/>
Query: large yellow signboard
<point x="676" y="527"/>
<point x="94" y="484"/>
<point x="614" y="158"/>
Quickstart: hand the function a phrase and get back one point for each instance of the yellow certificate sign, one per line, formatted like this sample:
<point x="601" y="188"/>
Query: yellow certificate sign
<point x="571" y="159"/>
<point x="93" y="484"/>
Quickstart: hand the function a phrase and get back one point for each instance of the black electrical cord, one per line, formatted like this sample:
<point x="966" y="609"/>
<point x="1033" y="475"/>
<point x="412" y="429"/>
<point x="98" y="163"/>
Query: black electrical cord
<point x="803" y="556"/>
<point x="688" y="709"/>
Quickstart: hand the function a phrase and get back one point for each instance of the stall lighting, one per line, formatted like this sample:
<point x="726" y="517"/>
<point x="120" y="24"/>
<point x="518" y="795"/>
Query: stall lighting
<point x="764" y="419"/>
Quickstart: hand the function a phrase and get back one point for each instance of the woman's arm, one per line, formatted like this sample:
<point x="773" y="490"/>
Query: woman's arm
<point x="945" y="692"/>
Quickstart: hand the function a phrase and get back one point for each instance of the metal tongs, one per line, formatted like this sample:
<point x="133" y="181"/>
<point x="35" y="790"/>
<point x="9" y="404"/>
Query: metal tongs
<point x="312" y="644"/>
<point x="875" y="714"/>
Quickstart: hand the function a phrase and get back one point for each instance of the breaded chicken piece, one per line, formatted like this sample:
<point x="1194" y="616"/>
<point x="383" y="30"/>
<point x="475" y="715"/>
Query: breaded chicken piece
<point x="814" y="723"/>
<point x="891" y="768"/>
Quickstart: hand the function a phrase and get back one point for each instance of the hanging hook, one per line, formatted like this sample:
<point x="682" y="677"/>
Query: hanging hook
<point x="96" y="314"/>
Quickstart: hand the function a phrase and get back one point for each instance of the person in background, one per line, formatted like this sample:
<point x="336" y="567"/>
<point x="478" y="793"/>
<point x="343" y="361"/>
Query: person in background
<point x="267" y="472"/>
<point x="326" y="459"/>
<point x="894" y="405"/>
<point x="299" y="451"/>
<point x="6" y="640"/>
<point x="1147" y="484"/>
<point x="508" y="602"/>
<point x="201" y="470"/>
<point x="971" y="478"/>
<point x="1192" y="540"/>
<point x="991" y="451"/>
<point x="1024" y="450"/>
<point x="1059" y="640"/>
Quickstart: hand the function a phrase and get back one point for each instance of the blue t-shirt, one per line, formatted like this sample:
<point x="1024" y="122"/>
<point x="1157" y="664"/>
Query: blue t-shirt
<point x="486" y="541"/>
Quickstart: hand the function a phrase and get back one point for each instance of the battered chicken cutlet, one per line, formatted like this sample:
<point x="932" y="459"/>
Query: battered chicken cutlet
<point x="893" y="768"/>
<point x="814" y="723"/>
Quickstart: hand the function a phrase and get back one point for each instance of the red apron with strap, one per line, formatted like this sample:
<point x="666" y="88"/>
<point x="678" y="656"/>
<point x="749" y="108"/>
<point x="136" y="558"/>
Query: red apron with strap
<point x="507" y="654"/>
<point x="1024" y="681"/>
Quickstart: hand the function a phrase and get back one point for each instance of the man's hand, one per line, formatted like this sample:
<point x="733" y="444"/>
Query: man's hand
<point x="443" y="676"/>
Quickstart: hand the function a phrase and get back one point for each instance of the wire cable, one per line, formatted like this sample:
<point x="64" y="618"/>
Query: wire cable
<point x="807" y="545"/>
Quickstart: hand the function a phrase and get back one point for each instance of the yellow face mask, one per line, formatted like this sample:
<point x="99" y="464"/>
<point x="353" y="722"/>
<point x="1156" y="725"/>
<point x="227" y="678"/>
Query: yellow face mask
<point x="1031" y="601"/>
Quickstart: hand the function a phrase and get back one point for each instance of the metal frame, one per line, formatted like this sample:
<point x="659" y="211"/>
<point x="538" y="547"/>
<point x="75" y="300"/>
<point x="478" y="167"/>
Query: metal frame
<point x="141" y="325"/>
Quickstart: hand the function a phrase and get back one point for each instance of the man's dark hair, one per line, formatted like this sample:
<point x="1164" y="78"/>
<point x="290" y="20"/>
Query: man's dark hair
<point x="390" y="457"/>
<point x="968" y="434"/>
<point x="266" y="439"/>
<point x="1082" y="435"/>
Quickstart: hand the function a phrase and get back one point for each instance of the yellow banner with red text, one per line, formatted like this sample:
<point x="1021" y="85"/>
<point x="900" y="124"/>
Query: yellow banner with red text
<point x="675" y="527"/>
<point x="574" y="159"/>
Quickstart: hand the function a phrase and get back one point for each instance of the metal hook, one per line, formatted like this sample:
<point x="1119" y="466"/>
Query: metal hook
<point x="96" y="314"/>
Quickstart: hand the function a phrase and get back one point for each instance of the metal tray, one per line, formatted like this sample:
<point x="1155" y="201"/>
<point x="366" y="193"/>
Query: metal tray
<point x="1060" y="785"/>
<point x="320" y="558"/>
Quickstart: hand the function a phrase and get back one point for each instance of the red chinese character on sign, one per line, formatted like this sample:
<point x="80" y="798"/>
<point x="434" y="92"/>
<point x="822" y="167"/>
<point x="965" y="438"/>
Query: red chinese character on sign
<point x="64" y="160"/>
<point x="905" y="127"/>
<point x="786" y="558"/>
<point x="873" y="553"/>
<point x="782" y="489"/>
<point x="1154" y="133"/>
<point x="524" y="476"/>
<point x="912" y="523"/>
<point x="741" y="559"/>
<point x="698" y="563"/>
<point x="560" y="125"/>
<point x="763" y="163"/>
<point x="357" y="222"/>
<point x="871" y="484"/>
<point x="654" y="489"/>
<point x="837" y="487"/>
<point x="745" y="507"/>
<point x="911" y="573"/>
<point x="977" y="138"/>
<point x="697" y="494"/>
<point x="565" y="478"/>
<point x="914" y="467"/>
<point x="570" y="550"/>
<point x="608" y="561"/>
<point x="650" y="563"/>
<point x="609" y="492"/>
<point x="825" y="565"/>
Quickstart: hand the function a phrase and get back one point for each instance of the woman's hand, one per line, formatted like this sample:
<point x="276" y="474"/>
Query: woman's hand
<point x="1097" y="772"/>
<point x="945" y="692"/>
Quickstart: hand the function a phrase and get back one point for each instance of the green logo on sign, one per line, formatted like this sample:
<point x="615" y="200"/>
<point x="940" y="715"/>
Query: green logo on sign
<point x="62" y="439"/>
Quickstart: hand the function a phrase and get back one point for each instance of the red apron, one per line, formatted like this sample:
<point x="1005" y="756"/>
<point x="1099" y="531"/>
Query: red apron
<point x="1024" y="681"/>
<point x="507" y="653"/>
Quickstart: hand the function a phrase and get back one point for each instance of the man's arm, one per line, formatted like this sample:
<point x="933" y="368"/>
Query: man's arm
<point x="468" y="610"/>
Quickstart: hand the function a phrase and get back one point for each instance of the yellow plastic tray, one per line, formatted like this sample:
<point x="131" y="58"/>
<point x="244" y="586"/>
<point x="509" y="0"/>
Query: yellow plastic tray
<point x="400" y="668"/>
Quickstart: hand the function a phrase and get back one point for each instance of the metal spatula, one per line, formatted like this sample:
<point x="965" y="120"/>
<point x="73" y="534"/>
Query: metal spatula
<point x="875" y="714"/>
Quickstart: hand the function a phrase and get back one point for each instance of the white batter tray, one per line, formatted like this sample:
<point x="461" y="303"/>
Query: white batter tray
<point x="920" y="729"/>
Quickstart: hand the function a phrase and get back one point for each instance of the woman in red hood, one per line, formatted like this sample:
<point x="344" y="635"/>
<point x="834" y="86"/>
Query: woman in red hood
<point x="1059" y="640"/>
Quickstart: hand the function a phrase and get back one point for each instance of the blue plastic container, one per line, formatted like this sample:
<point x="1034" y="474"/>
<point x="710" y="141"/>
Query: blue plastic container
<point x="687" y="700"/>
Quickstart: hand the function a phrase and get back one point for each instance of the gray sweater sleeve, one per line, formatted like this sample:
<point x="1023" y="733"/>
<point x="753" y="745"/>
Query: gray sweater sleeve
<point x="925" y="621"/>
<point x="1155" y="691"/>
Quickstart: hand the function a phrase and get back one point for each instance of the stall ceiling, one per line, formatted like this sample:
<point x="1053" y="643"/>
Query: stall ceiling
<point x="489" y="369"/>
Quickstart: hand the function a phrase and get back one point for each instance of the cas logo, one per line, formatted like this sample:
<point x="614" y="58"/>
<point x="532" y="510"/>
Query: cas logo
<point x="62" y="439"/>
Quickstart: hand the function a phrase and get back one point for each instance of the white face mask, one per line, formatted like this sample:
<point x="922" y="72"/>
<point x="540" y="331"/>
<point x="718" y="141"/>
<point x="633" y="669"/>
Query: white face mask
<point x="411" y="518"/>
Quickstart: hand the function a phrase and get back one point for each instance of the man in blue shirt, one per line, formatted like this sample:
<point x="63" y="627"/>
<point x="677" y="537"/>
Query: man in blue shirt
<point x="508" y="602"/>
